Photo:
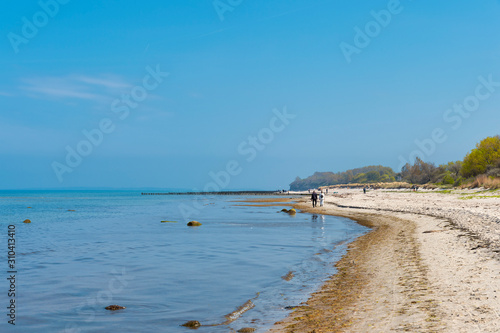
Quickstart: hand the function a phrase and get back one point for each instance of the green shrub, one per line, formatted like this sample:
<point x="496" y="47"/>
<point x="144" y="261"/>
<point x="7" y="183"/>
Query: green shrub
<point x="447" y="180"/>
<point x="459" y="181"/>
<point x="484" y="156"/>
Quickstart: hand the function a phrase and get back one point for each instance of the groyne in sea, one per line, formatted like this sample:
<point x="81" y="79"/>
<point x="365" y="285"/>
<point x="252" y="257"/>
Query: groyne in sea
<point x="219" y="193"/>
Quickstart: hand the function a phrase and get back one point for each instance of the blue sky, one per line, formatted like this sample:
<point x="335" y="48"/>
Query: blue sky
<point x="230" y="63"/>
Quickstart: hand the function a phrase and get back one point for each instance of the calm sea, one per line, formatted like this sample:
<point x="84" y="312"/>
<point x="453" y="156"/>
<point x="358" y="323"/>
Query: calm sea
<point x="85" y="250"/>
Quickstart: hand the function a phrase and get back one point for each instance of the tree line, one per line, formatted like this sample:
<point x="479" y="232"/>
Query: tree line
<point x="368" y="174"/>
<point x="482" y="161"/>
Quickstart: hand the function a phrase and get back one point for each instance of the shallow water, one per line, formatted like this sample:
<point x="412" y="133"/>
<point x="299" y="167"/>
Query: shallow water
<point x="113" y="249"/>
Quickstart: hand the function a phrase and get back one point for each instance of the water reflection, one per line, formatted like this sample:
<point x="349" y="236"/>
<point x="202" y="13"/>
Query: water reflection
<point x="318" y="226"/>
<point x="318" y="218"/>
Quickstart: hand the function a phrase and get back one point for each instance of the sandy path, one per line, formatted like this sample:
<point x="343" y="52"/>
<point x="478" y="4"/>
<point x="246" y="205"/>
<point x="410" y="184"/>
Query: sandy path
<point x="401" y="277"/>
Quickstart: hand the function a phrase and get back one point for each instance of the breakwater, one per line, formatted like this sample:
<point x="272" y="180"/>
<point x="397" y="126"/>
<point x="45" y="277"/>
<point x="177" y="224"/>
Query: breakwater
<point x="218" y="193"/>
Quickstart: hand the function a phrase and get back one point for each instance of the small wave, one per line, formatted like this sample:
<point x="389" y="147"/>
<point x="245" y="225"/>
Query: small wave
<point x="236" y="314"/>
<point x="230" y="317"/>
<point x="36" y="252"/>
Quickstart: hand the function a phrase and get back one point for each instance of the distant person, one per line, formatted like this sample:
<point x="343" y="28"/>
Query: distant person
<point x="314" y="198"/>
<point x="327" y="191"/>
<point x="321" y="199"/>
<point x="364" y="190"/>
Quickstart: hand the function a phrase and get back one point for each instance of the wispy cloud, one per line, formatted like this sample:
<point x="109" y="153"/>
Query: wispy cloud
<point x="6" y="94"/>
<point x="110" y="83"/>
<point x="74" y="87"/>
<point x="60" y="92"/>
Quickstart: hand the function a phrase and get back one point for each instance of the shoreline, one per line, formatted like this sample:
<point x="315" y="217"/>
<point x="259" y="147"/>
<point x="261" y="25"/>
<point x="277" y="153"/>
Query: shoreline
<point x="412" y="272"/>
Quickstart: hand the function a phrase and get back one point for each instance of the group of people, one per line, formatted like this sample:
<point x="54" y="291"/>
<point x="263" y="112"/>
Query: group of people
<point x="314" y="198"/>
<point x="321" y="196"/>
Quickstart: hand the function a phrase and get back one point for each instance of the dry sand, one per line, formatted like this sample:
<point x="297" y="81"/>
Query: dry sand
<point x="431" y="264"/>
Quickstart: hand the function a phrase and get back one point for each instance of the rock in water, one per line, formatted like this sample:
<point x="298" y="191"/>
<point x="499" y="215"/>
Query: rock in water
<point x="27" y="221"/>
<point x="288" y="276"/>
<point x="194" y="224"/>
<point x="292" y="211"/>
<point x="284" y="210"/>
<point x="114" y="307"/>
<point x="192" y="324"/>
<point x="247" y="330"/>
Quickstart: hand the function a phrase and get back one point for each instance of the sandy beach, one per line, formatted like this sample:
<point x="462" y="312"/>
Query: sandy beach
<point x="431" y="264"/>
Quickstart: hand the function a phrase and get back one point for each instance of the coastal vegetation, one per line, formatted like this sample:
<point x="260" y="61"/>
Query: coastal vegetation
<point x="479" y="168"/>
<point x="368" y="174"/>
<point x="484" y="159"/>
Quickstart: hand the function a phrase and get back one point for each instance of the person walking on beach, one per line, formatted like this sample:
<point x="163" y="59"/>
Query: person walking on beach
<point x="314" y="198"/>
<point x="321" y="199"/>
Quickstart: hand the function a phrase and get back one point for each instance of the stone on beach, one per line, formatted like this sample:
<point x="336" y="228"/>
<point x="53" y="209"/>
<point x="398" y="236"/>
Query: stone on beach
<point x="194" y="224"/>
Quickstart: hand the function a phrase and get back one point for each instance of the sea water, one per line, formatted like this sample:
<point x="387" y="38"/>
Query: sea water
<point x="85" y="250"/>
